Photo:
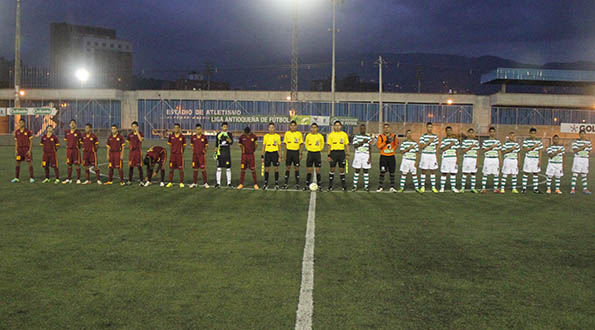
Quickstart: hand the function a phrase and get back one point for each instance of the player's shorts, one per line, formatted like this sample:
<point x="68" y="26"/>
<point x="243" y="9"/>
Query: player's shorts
<point x="580" y="165"/>
<point x="293" y="157"/>
<point x="89" y="159"/>
<point x="491" y="166"/>
<point x="198" y="161"/>
<point x="115" y="161"/>
<point x="248" y="161"/>
<point x="408" y="166"/>
<point x="470" y="165"/>
<point x="22" y="155"/>
<point x="360" y="160"/>
<point x="531" y="165"/>
<point x="388" y="164"/>
<point x="554" y="170"/>
<point x="176" y="161"/>
<point x="49" y="159"/>
<point x="271" y="158"/>
<point x="428" y="162"/>
<point x="314" y="159"/>
<point x="449" y="165"/>
<point x="135" y="158"/>
<point x="510" y="166"/>
<point x="337" y="158"/>
<point x="73" y="156"/>
<point x="224" y="160"/>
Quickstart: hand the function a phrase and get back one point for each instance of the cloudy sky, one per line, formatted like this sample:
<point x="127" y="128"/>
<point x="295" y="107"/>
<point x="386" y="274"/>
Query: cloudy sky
<point x="182" y="34"/>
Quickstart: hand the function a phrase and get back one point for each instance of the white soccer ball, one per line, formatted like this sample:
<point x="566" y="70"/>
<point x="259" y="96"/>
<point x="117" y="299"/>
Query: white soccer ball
<point x="313" y="186"/>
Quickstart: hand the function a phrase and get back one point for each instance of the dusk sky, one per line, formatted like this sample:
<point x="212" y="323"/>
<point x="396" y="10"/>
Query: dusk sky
<point x="183" y="34"/>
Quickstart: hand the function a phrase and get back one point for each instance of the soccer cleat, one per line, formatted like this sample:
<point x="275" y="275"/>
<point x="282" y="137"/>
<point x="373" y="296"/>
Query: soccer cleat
<point x="455" y="190"/>
<point x="393" y="190"/>
<point x="284" y="187"/>
<point x="401" y="190"/>
<point x="148" y="183"/>
<point x="462" y="191"/>
<point x="192" y="185"/>
<point x="78" y="181"/>
<point x="502" y="191"/>
<point x="496" y="191"/>
<point x="514" y="191"/>
<point x="354" y="189"/>
<point x="586" y="192"/>
<point x="473" y="190"/>
<point x="483" y="191"/>
<point x="56" y="181"/>
<point x="15" y="180"/>
<point x="572" y="192"/>
<point x="67" y="181"/>
<point x="548" y="191"/>
<point x="265" y="187"/>
<point x="344" y="189"/>
<point x="122" y="183"/>
<point x="181" y="185"/>
<point x="141" y="184"/>
<point x="31" y="180"/>
<point x="297" y="187"/>
<point x="169" y="185"/>
<point x="87" y="182"/>
<point x="128" y="183"/>
<point x="230" y="186"/>
<point x="256" y="187"/>
<point x="367" y="189"/>
<point x="330" y="189"/>
<point x="434" y="190"/>
<point x="523" y="191"/>
<point x="206" y="186"/>
<point x="536" y="191"/>
<point x="422" y="190"/>
<point x="306" y="187"/>
<point x="276" y="187"/>
<point x="441" y="190"/>
<point x="241" y="186"/>
<point x="558" y="192"/>
<point x="46" y="180"/>
<point x="379" y="189"/>
<point x="162" y="184"/>
<point x="107" y="183"/>
<point x="217" y="186"/>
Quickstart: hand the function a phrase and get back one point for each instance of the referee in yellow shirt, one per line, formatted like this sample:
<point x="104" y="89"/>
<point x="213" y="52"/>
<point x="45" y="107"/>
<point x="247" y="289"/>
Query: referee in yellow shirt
<point x="314" y="145"/>
<point x="293" y="141"/>
<point x="338" y="153"/>
<point x="270" y="155"/>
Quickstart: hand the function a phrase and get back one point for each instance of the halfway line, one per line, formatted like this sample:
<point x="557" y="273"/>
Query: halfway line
<point x="305" y="309"/>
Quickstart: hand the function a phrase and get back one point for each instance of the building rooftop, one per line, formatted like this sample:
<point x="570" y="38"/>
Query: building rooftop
<point x="539" y="77"/>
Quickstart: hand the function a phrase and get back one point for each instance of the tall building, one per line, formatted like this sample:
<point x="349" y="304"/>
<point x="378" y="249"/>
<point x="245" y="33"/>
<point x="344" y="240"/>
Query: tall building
<point x="98" y="50"/>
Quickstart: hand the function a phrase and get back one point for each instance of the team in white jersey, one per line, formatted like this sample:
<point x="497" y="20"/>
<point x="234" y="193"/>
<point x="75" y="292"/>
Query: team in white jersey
<point x="580" y="164"/>
<point x="491" y="161"/>
<point x="510" y="165"/>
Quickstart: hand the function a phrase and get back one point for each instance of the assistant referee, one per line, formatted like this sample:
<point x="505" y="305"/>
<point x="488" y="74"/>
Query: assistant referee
<point x="337" y="141"/>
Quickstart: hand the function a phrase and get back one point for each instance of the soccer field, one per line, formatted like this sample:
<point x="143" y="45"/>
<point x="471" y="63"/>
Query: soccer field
<point x="130" y="257"/>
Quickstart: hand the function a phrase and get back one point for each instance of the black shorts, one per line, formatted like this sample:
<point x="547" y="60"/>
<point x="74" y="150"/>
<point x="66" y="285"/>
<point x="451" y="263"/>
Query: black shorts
<point x="337" y="157"/>
<point x="224" y="160"/>
<point x="292" y="158"/>
<point x="314" y="159"/>
<point x="271" y="158"/>
<point x="388" y="163"/>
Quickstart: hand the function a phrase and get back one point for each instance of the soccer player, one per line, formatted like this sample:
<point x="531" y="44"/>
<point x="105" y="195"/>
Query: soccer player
<point x="115" y="154"/>
<point x="362" y="160"/>
<point x="224" y="140"/>
<point x="293" y="141"/>
<point x="470" y="148"/>
<point x="338" y="153"/>
<point x="491" y="161"/>
<point x="73" y="155"/>
<point x="409" y="150"/>
<point x="555" y="165"/>
<point x="429" y="159"/>
<point x="510" y="166"/>
<point x="135" y="154"/>
<point x="90" y="143"/>
<point x="449" y="147"/>
<point x="314" y="145"/>
<point x="200" y="145"/>
<point x="248" y="142"/>
<point x="270" y="155"/>
<point x="156" y="155"/>
<point x="532" y="147"/>
<point x="177" y="143"/>
<point x="22" y="151"/>
<point x="387" y="144"/>
<point x="580" y="165"/>
<point x="50" y="144"/>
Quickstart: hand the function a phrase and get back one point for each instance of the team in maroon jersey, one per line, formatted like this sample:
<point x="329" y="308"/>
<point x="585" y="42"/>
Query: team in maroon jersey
<point x="22" y="150"/>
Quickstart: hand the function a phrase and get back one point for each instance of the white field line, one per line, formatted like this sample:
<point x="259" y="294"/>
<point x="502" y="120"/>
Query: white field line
<point x="92" y="169"/>
<point x="303" y="320"/>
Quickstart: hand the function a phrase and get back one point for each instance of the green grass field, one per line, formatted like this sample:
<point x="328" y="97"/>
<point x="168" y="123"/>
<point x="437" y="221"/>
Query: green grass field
<point x="147" y="258"/>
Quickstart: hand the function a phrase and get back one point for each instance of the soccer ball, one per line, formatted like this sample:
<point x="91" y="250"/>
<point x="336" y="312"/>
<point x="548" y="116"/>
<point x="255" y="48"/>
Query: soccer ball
<point x="313" y="186"/>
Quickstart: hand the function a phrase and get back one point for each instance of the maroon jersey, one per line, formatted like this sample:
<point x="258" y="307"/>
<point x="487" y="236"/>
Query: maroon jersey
<point x="249" y="143"/>
<point x="135" y="142"/>
<point x="23" y="138"/>
<point x="199" y="144"/>
<point x="73" y="139"/>
<point x="177" y="143"/>
<point x="116" y="143"/>
<point x="157" y="154"/>
<point x="90" y="143"/>
<point x="50" y="144"/>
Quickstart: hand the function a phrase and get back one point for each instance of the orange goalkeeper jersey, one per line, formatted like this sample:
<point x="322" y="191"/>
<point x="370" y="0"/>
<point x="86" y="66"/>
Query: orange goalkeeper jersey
<point x="387" y="144"/>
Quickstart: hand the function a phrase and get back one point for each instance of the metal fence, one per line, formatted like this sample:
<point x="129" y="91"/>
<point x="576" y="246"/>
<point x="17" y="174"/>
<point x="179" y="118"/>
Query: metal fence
<point x="540" y="116"/>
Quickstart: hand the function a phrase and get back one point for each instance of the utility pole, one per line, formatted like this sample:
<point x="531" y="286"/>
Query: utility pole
<point x="380" y="63"/>
<point x="419" y="74"/>
<point x="294" y="52"/>
<point x="17" y="57"/>
<point x="334" y="47"/>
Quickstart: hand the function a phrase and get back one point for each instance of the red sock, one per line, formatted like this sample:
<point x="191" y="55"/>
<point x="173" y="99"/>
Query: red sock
<point x="111" y="175"/>
<point x="69" y="173"/>
<point x="204" y="176"/>
<point x="171" y="175"/>
<point x="78" y="173"/>
<point x="140" y="174"/>
<point x="254" y="177"/>
<point x="17" y="171"/>
<point x="57" y="172"/>
<point x="242" y="175"/>
<point x="181" y="176"/>
<point x="31" y="171"/>
<point x="194" y="176"/>
<point x="47" y="172"/>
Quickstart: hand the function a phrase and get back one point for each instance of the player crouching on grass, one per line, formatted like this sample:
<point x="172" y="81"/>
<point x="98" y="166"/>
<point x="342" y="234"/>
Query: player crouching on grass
<point x="270" y="155"/>
<point x="532" y="147"/>
<point x="155" y="155"/>
<point x="555" y="165"/>
<point x="177" y="143"/>
<point x="135" y="139"/>
<point x="338" y="154"/>
<point x="90" y="143"/>
<point x="200" y="144"/>
<point x="387" y="144"/>
<point x="580" y="164"/>
<point x="50" y="144"/>
<point x="73" y="155"/>
<point x="115" y="154"/>
<point x="491" y="161"/>
<point x="510" y="165"/>
<point x="293" y="141"/>
<point x="409" y="151"/>
<point x="470" y="148"/>
<point x="248" y="142"/>
<point x="22" y="151"/>
<point x="429" y="159"/>
<point x="449" y="147"/>
<point x="314" y="145"/>
<point x="361" y="159"/>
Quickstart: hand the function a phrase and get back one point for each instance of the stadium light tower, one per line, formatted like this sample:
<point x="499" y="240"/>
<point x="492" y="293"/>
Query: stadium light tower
<point x="82" y="75"/>
<point x="294" y="50"/>
<point x="334" y="30"/>
<point x="17" y="57"/>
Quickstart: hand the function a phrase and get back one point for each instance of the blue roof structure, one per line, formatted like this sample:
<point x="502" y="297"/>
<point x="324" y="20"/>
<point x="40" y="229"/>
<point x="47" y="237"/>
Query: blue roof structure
<point x="539" y="77"/>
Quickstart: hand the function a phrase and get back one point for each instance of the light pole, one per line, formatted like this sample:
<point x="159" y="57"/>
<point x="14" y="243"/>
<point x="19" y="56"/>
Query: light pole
<point x="17" y="57"/>
<point x="294" y="51"/>
<point x="334" y="46"/>
<point x="82" y="75"/>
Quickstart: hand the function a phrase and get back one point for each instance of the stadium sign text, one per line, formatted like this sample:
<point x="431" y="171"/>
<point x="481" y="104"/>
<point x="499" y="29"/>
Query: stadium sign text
<point x="251" y="119"/>
<point x="40" y="111"/>
<point x="575" y="128"/>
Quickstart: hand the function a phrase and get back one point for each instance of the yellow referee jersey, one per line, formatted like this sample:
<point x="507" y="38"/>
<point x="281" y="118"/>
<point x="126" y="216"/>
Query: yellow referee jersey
<point x="337" y="140"/>
<point x="293" y="140"/>
<point x="314" y="142"/>
<point x="271" y="142"/>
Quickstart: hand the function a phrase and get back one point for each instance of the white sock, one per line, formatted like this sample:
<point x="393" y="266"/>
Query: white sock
<point x="218" y="176"/>
<point x="228" y="175"/>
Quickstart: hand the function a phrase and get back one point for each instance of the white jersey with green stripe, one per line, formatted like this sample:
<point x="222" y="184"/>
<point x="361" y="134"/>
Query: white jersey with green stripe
<point x="411" y="154"/>
<point x="492" y="153"/>
<point x="529" y="143"/>
<point x="474" y="144"/>
<point x="579" y="144"/>
<point x="430" y="148"/>
<point x="452" y="151"/>
<point x="365" y="139"/>
<point x="557" y="159"/>
<point x="511" y="150"/>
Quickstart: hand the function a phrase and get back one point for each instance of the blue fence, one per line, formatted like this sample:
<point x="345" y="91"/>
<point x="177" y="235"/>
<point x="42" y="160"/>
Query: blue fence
<point x="540" y="116"/>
